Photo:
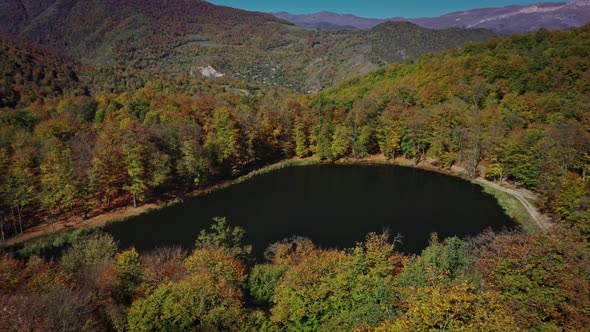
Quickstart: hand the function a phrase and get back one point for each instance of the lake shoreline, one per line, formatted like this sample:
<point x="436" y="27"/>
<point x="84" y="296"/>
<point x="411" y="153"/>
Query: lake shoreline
<point x="39" y="233"/>
<point x="123" y="213"/>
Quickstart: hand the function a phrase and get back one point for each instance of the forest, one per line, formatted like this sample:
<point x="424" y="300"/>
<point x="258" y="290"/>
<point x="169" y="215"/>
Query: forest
<point x="493" y="282"/>
<point x="513" y="109"/>
<point x="181" y="35"/>
<point x="87" y="140"/>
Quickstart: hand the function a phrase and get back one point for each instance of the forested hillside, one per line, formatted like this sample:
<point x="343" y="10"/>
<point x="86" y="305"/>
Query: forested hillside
<point x="182" y="35"/>
<point x="515" y="109"/>
<point x="88" y="139"/>
<point x="30" y="74"/>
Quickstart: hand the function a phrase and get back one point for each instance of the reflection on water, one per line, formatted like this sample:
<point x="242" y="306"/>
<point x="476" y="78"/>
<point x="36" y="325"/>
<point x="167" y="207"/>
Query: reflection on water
<point x="334" y="205"/>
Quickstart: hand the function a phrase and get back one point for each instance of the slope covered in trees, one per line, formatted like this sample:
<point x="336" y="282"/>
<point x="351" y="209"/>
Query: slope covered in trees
<point x="514" y="109"/>
<point x="30" y="73"/>
<point x="182" y="35"/>
<point x="78" y="154"/>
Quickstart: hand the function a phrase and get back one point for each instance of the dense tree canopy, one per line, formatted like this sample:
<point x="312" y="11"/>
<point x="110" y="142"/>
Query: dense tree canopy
<point x="513" y="110"/>
<point x="31" y="73"/>
<point x="495" y="282"/>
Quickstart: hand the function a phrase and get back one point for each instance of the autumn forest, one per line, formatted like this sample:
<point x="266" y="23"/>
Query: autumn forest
<point x="81" y="138"/>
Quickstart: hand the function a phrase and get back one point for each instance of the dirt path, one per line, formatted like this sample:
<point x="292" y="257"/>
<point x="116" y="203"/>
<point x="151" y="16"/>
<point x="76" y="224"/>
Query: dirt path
<point x="123" y="212"/>
<point x="524" y="197"/>
<point x="93" y="222"/>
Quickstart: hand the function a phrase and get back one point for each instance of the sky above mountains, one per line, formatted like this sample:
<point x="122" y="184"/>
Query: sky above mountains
<point x="372" y="8"/>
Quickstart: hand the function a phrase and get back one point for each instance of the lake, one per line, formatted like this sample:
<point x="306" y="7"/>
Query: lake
<point x="334" y="205"/>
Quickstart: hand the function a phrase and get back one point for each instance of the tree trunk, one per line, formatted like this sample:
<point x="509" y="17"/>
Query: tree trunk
<point x="474" y="163"/>
<point x="19" y="210"/>
<point x="2" y="237"/>
<point x="134" y="201"/>
<point x="13" y="220"/>
<point x="354" y="138"/>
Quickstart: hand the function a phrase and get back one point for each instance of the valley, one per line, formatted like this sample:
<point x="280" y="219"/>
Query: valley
<point x="139" y="34"/>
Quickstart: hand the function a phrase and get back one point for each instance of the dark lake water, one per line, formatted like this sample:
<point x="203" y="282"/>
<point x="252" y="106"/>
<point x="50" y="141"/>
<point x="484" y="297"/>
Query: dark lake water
<point x="334" y="205"/>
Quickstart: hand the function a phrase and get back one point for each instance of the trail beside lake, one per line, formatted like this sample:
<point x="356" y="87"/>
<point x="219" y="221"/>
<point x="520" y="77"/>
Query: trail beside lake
<point x="64" y="225"/>
<point x="524" y="197"/>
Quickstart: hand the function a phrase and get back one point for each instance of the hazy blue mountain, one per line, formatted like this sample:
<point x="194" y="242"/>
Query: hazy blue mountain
<point x="507" y="20"/>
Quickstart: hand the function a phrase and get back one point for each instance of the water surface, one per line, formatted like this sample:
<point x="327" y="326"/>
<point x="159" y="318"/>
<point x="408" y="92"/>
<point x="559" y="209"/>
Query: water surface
<point x="334" y="205"/>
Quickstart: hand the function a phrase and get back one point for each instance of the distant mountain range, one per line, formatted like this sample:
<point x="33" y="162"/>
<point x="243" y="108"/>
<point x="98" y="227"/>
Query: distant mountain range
<point x="184" y="36"/>
<point x="505" y="20"/>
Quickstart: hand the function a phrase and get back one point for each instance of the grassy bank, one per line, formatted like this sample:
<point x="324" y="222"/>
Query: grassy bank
<point x="51" y="243"/>
<point x="510" y="204"/>
<point x="513" y="208"/>
<point x="47" y="244"/>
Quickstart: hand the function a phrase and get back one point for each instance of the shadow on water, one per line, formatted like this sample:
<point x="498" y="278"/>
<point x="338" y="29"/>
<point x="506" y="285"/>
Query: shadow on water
<point x="334" y="205"/>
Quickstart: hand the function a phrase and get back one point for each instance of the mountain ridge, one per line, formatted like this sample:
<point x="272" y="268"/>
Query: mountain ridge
<point x="183" y="35"/>
<point x="506" y="20"/>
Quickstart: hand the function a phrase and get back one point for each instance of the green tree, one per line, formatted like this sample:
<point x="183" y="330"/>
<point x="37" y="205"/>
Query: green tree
<point x="93" y="249"/>
<point x="389" y="134"/>
<point x="218" y="262"/>
<point x="471" y="143"/>
<point x="222" y="235"/>
<point x="139" y="108"/>
<point x="191" y="164"/>
<point x="135" y="147"/>
<point x="340" y="142"/>
<point x="20" y="186"/>
<point x="200" y="303"/>
<point x="158" y="167"/>
<point x="439" y="263"/>
<point x="522" y="160"/>
<point x="223" y="140"/>
<point x="128" y="266"/>
<point x="324" y="135"/>
<point x="417" y="137"/>
<point x="107" y="168"/>
<point x="335" y="291"/>
<point x="301" y="140"/>
<point x="568" y="197"/>
<point x="363" y="145"/>
<point x="58" y="186"/>
<point x="137" y="185"/>
<point x="263" y="280"/>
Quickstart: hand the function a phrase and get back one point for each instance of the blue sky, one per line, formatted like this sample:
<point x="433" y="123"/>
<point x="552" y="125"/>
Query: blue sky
<point x="371" y="8"/>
